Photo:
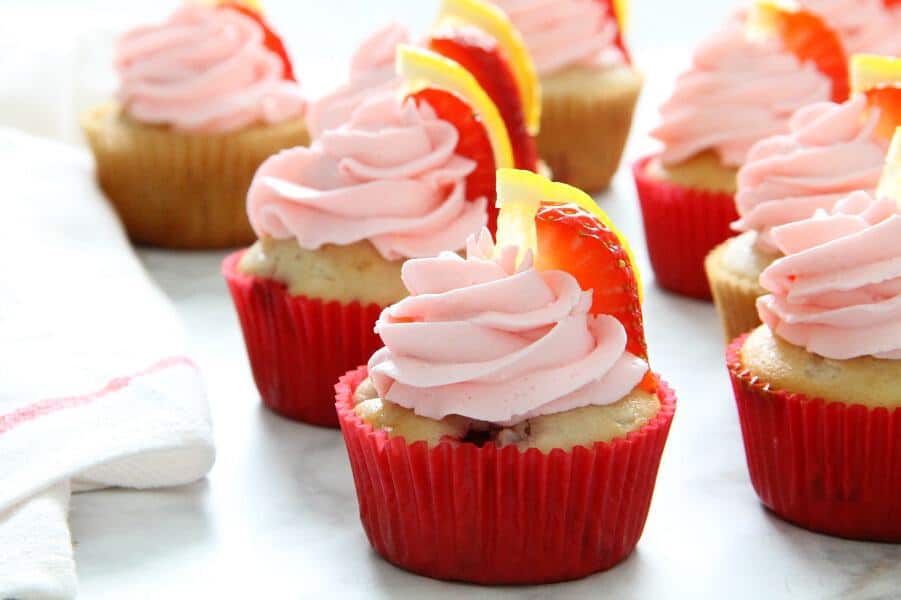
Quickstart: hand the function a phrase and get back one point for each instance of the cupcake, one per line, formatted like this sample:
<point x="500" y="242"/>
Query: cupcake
<point x="830" y="151"/>
<point x="745" y="82"/>
<point x="403" y="178"/>
<point x="818" y="385"/>
<point x="371" y="73"/>
<point x="869" y="26"/>
<point x="511" y="381"/>
<point x="589" y="85"/>
<point x="203" y="99"/>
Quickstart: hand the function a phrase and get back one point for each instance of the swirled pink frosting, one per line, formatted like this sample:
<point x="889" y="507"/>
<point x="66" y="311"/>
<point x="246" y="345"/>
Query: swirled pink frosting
<point x="837" y="292"/>
<point x="205" y="69"/>
<point x="738" y="90"/>
<point x="389" y="175"/>
<point x="489" y="341"/>
<point x="830" y="151"/>
<point x="864" y="25"/>
<point x="371" y="73"/>
<point x="563" y="33"/>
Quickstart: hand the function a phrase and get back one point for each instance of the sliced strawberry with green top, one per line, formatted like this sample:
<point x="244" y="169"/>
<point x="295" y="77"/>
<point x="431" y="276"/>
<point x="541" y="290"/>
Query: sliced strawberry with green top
<point x="271" y="40"/>
<point x="479" y="53"/>
<point x="809" y="38"/>
<point x="473" y="144"/>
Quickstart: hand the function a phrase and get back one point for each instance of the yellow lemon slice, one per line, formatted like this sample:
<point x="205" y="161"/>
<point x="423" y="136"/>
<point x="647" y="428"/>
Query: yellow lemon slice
<point x="421" y="69"/>
<point x="495" y="23"/>
<point x="621" y="11"/>
<point x="520" y="194"/>
<point x="254" y="5"/>
<point x="871" y="71"/>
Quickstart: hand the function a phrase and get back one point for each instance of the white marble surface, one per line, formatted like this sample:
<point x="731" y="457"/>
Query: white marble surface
<point x="278" y="517"/>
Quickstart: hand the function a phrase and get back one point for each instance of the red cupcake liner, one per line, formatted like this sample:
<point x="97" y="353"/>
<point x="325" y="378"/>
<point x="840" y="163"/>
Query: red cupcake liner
<point x="494" y="515"/>
<point x="298" y="347"/>
<point x="682" y="225"/>
<point x="830" y="467"/>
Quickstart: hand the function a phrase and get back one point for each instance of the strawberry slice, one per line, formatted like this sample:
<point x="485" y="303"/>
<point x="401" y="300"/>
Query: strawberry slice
<point x="473" y="144"/>
<point x="568" y="232"/>
<point x="888" y="101"/>
<point x="479" y="53"/>
<point x="891" y="3"/>
<point x="879" y="77"/>
<point x="613" y="9"/>
<point x="809" y="38"/>
<point x="573" y="240"/>
<point x="271" y="40"/>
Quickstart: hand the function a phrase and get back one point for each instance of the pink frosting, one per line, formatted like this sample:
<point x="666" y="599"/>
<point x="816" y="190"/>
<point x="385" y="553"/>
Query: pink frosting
<point x="837" y="292"/>
<point x="865" y="25"/>
<point x="489" y="341"/>
<point x="738" y="90"/>
<point x="563" y="33"/>
<point x="389" y="175"/>
<point x="829" y="152"/>
<point x="205" y="69"/>
<point x="371" y="73"/>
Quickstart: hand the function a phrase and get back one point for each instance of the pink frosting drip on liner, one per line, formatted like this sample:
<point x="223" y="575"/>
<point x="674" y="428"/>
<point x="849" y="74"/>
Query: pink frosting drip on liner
<point x="206" y="69"/>
<point x="837" y="292"/>
<point x="389" y="176"/>
<point x="563" y="33"/>
<point x="371" y="73"/>
<point x="830" y="151"/>
<point x="489" y="341"/>
<point x="737" y="92"/>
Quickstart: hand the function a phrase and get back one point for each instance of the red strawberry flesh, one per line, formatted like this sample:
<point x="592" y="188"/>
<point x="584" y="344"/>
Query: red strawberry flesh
<point x="271" y="40"/>
<point x="473" y="143"/>
<point x="479" y="53"/>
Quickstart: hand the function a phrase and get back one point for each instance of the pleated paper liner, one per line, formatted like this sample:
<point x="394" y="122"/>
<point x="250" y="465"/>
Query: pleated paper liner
<point x="830" y="467"/>
<point x="735" y="297"/>
<point x="298" y="347"/>
<point x="181" y="190"/>
<point x="493" y="515"/>
<point x="682" y="225"/>
<point x="582" y="136"/>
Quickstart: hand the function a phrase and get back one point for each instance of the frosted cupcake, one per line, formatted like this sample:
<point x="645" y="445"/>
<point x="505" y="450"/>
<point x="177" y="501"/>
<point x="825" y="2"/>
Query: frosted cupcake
<point x="830" y="151"/>
<point x="818" y="386"/>
<point x="371" y="73"/>
<point x="589" y="85"/>
<point x="507" y="386"/>
<point x="745" y="82"/>
<point x="403" y="178"/>
<point x="203" y="99"/>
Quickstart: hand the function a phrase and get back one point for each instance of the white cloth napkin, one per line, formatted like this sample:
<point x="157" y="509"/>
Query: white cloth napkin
<point x="95" y="389"/>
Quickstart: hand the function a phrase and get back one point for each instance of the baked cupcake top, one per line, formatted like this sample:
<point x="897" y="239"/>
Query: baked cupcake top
<point x="371" y="72"/>
<point x="209" y="69"/>
<point x="865" y="25"/>
<point x="389" y="175"/>
<point x="837" y="291"/>
<point x="489" y="340"/>
<point x="566" y="33"/>
<point x="830" y="150"/>
<point x="744" y="84"/>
